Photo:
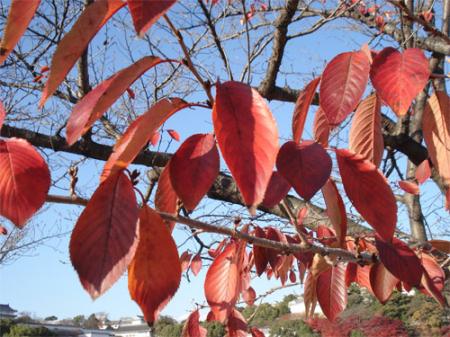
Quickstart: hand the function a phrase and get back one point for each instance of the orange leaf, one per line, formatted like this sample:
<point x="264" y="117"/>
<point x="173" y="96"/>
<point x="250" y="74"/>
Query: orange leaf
<point x="382" y="282"/>
<point x="301" y="108"/>
<point x="193" y="169"/>
<point x="154" y="140"/>
<point x="343" y="83"/>
<point x="222" y="282"/>
<point x="306" y="166"/>
<point x="166" y="200"/>
<point x="335" y="210"/>
<point x="19" y="17"/>
<point x="399" y="77"/>
<point x="436" y="132"/>
<point x="174" y="135"/>
<point x="192" y="327"/>
<point x="99" y="100"/>
<point x="423" y="171"/>
<point x="366" y="138"/>
<point x="409" y="187"/>
<point x="145" y="13"/>
<point x="75" y="42"/>
<point x="104" y="239"/>
<point x="321" y="128"/>
<point x="24" y="180"/>
<point x="196" y="264"/>
<point x="155" y="272"/>
<point x="248" y="138"/>
<point x="331" y="291"/>
<point x="277" y="189"/>
<point x="139" y="133"/>
<point x="369" y="192"/>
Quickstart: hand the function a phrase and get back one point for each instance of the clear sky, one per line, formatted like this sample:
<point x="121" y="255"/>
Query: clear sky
<point x="46" y="284"/>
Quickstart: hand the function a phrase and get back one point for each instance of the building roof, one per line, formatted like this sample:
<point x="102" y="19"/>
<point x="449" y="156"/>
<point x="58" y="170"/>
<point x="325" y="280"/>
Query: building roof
<point x="129" y="328"/>
<point x="6" y="308"/>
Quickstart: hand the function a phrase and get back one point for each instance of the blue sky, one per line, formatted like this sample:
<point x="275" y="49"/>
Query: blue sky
<point x="46" y="284"/>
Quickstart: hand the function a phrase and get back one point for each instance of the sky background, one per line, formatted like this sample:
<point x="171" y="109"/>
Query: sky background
<point x="44" y="283"/>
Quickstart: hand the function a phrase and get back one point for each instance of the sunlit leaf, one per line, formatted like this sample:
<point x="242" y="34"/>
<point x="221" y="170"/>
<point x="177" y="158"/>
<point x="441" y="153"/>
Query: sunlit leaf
<point x="166" y="200"/>
<point x="335" y="209"/>
<point x="145" y="13"/>
<point x="382" y="282"/>
<point x="332" y="291"/>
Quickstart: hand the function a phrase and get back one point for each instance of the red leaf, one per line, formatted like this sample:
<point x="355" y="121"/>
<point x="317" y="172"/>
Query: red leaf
<point x="104" y="239"/>
<point x="423" y="171"/>
<point x="236" y="325"/>
<point x="400" y="260"/>
<point x="154" y="140"/>
<point x="249" y="296"/>
<point x="166" y="200"/>
<point x="256" y="332"/>
<point x="248" y="138"/>
<point x="277" y="189"/>
<point x="192" y="327"/>
<point x="343" y="83"/>
<point x="442" y="245"/>
<point x="155" y="272"/>
<point x="174" y="135"/>
<point x="185" y="260"/>
<point x="331" y="291"/>
<point x="222" y="282"/>
<point x="369" y="192"/>
<point x="3" y="230"/>
<point x="196" y="264"/>
<point x="382" y="282"/>
<point x="436" y="132"/>
<point x="193" y="169"/>
<point x="398" y="78"/>
<point x="131" y="93"/>
<point x="214" y="252"/>
<point x="363" y="277"/>
<point x="433" y="279"/>
<point x="310" y="295"/>
<point x="139" y="133"/>
<point x="92" y="106"/>
<point x="24" y="180"/>
<point x="2" y="114"/>
<point x="292" y="276"/>
<point x="306" y="166"/>
<point x="260" y="254"/>
<point x="335" y="210"/>
<point x="44" y="69"/>
<point x="366" y="138"/>
<point x="145" y="13"/>
<point x="321" y="128"/>
<point x="19" y="17"/>
<point x="274" y="256"/>
<point x="301" y="109"/>
<point x="409" y="187"/>
<point x="75" y="42"/>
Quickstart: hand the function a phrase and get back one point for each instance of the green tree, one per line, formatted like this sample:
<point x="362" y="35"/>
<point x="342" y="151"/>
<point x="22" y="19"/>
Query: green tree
<point x="167" y="327"/>
<point x="215" y="329"/>
<point x="51" y="318"/>
<point x="79" y="320"/>
<point x="26" y="331"/>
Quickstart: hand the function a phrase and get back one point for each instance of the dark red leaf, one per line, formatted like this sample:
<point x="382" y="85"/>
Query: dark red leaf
<point x="3" y="230"/>
<point x="196" y="264"/>
<point x="104" y="239"/>
<point x="343" y="83"/>
<point x="277" y="189"/>
<point x="369" y="192"/>
<point x="399" y="77"/>
<point x="306" y="166"/>
<point x="236" y="325"/>
<point x="248" y="138"/>
<point x="193" y="169"/>
<point x="260" y="254"/>
<point x="301" y="108"/>
<point x="292" y="276"/>
<point x="192" y="327"/>
<point x="274" y="256"/>
<point x="256" y="332"/>
<point x="24" y="180"/>
<point x="145" y="13"/>
<point x="155" y="272"/>
<point x="400" y="260"/>
<point x="331" y="291"/>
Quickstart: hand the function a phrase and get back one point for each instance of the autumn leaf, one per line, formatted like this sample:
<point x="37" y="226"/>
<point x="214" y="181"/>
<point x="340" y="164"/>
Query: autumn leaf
<point x="166" y="200"/>
<point x="277" y="189"/>
<point x="2" y="114"/>
<point x="139" y="133"/>
<point x="19" y="17"/>
<point x="145" y="13"/>
<point x="423" y="171"/>
<point x="433" y="279"/>
<point x="104" y="239"/>
<point x="193" y="169"/>
<point x="301" y="108"/>
<point x="192" y="327"/>
<point x="331" y="291"/>
<point x="382" y="282"/>
<point x="196" y="264"/>
<point x="399" y="77"/>
<point x="369" y="192"/>
<point x="260" y="254"/>
<point x="92" y="106"/>
<point x="335" y="210"/>
<point x="306" y="166"/>
<point x="249" y="296"/>
<point x="185" y="261"/>
<point x="343" y="83"/>
<point x="248" y="138"/>
<point x="75" y="42"/>
<point x="366" y="138"/>
<point x="321" y="129"/>
<point x="442" y="245"/>
<point x="174" y="135"/>
<point x="409" y="187"/>
<point x="236" y="325"/>
<point x="24" y="180"/>
<point x="155" y="272"/>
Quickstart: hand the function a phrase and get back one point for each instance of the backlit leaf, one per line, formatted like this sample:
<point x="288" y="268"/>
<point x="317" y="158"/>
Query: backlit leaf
<point x="193" y="168"/>
<point x="196" y="264"/>
<point x="104" y="239"/>
<point x="145" y="13"/>
<point x="19" y="17"/>
<point x="343" y="83"/>
<point x="192" y="327"/>
<point x="301" y="108"/>
<point x="24" y="180"/>
<point x="174" y="135"/>
<point x="399" y="77"/>
<point x="423" y="171"/>
<point x="185" y="260"/>
<point x="155" y="272"/>
<point x="366" y="138"/>
<point x="409" y="187"/>
<point x="75" y="42"/>
<point x="248" y="138"/>
<point x="382" y="282"/>
<point x="335" y="209"/>
<point x="321" y="129"/>
<point x="369" y="192"/>
<point x="166" y="200"/>
<point x="306" y="166"/>
<point x="332" y="291"/>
